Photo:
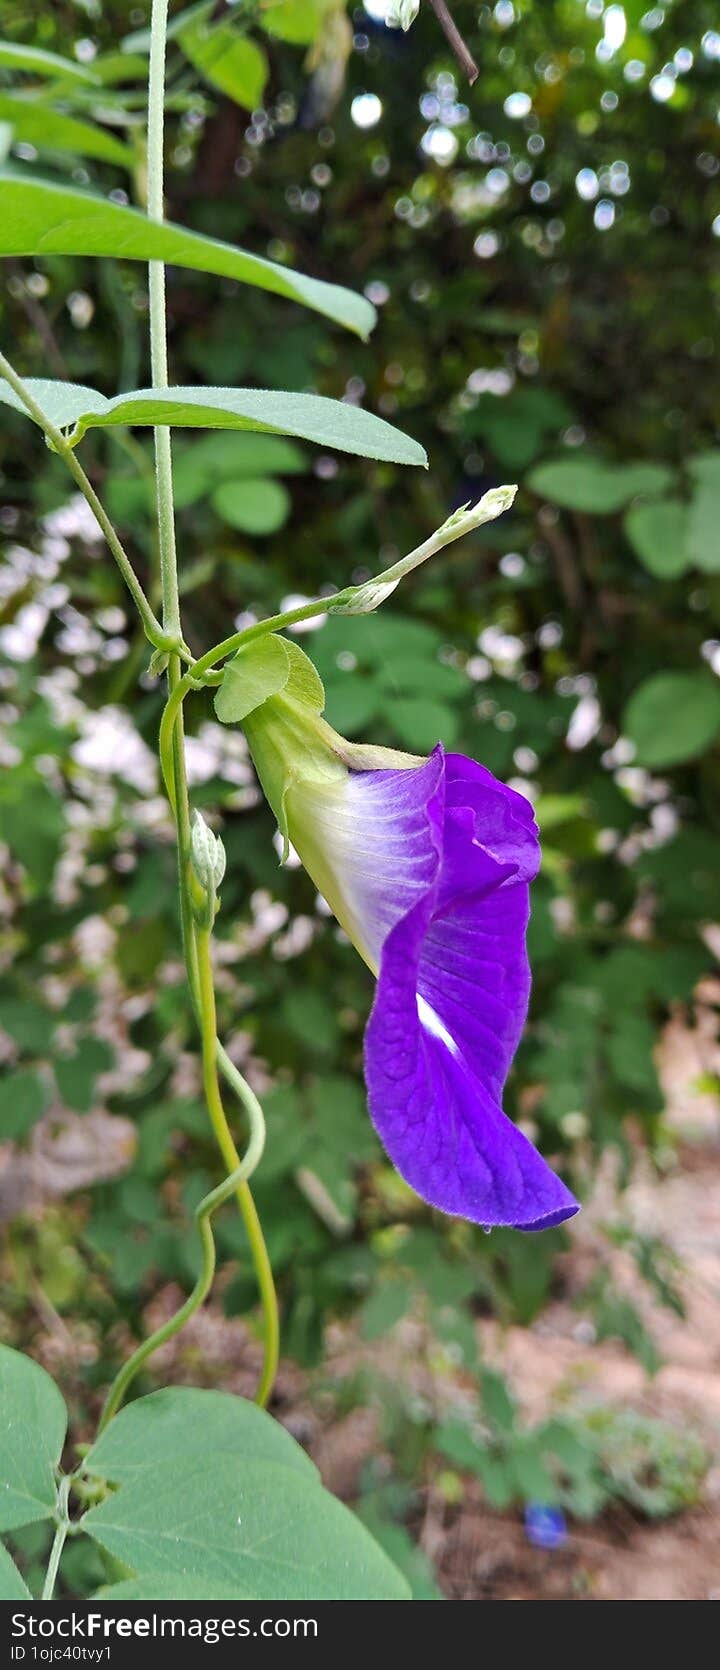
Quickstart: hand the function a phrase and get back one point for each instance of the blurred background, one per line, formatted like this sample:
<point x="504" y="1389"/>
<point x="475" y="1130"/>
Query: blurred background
<point x="514" y="1417"/>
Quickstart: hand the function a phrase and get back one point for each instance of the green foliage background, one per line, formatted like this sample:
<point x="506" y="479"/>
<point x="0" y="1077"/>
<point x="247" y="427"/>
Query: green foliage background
<point x="573" y="645"/>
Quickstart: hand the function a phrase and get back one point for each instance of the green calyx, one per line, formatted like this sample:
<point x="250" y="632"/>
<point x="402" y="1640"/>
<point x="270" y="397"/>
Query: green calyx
<point x="272" y="689"/>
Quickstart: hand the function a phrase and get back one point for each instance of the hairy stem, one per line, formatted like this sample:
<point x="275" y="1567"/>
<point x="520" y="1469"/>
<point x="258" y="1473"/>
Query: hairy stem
<point x="158" y="318"/>
<point x="62" y="1528"/>
<point x="153" y="629"/>
<point x="196" y="942"/>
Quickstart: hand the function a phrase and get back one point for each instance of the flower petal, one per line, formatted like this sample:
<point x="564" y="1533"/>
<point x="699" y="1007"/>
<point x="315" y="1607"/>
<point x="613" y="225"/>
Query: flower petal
<point x="372" y="845"/>
<point x="504" y="820"/>
<point x="473" y="968"/>
<point x="434" y="1111"/>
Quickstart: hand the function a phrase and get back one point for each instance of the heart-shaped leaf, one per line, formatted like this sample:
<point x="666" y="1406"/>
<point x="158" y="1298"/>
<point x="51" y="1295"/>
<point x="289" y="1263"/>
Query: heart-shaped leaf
<point x="12" y="1585"/>
<point x="673" y="717"/>
<point x="258" y="507"/>
<point x="33" y="1422"/>
<point x="214" y="1498"/>
<point x="703" y="539"/>
<point x="152" y="1432"/>
<point x="592" y="485"/>
<point x="658" y="534"/>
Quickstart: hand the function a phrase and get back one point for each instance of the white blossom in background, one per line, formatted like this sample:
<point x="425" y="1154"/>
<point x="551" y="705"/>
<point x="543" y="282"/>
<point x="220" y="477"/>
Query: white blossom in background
<point x="584" y="724"/>
<point x="297" y="600"/>
<point x="218" y="751"/>
<point x="19" y="640"/>
<point x="110" y="746"/>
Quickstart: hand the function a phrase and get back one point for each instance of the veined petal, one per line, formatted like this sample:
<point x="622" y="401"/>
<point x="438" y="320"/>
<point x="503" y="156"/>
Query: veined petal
<point x="436" y="1117"/>
<point x="372" y="844"/>
<point x="426" y="864"/>
<point x="504" y="820"/>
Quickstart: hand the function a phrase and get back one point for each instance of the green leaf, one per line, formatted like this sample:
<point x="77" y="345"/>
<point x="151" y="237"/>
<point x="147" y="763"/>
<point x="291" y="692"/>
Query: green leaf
<point x="591" y="485"/>
<point x="304" y="684"/>
<point x="33" y="58"/>
<point x="310" y="1015"/>
<point x="25" y="1100"/>
<point x="12" y="1585"/>
<point x="704" y="467"/>
<point x="212" y="1494"/>
<point x="658" y="534"/>
<point x="176" y="1585"/>
<point x="50" y="130"/>
<point x="312" y="417"/>
<point x="228" y="61"/>
<point x="398" y="1544"/>
<point x="28" y="1022"/>
<point x="260" y="669"/>
<point x="255" y="507"/>
<point x="111" y="68"/>
<point x="258" y="1530"/>
<point x="139" y="40"/>
<point x="673" y="717"/>
<point x="154" y="1430"/>
<point x="533" y="1481"/>
<point x="422" y="676"/>
<point x="296" y="21"/>
<point x="352" y="703"/>
<point x="31" y="821"/>
<point x="420" y="723"/>
<point x="703" y="539"/>
<point x="33" y="1422"/>
<point x="203" y="464"/>
<point x="497" y="1402"/>
<point x="40" y="218"/>
<point x="385" y="1307"/>
<point x="75" y="1074"/>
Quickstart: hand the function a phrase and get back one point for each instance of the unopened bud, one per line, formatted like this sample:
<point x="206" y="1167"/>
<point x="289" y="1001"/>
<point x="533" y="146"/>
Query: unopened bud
<point x="207" y="854"/>
<point x="400" y="14"/>
<point x="157" y="664"/>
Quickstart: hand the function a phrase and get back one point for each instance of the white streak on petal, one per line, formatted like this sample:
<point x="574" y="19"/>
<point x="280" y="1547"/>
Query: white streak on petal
<point x="433" y="1024"/>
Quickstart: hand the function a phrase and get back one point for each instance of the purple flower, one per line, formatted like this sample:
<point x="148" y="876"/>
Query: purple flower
<point x="447" y="856"/>
<point x="426" y="865"/>
<point x="545" y="1526"/>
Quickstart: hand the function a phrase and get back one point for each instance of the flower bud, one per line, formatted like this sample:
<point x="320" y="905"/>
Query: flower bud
<point x="304" y="765"/>
<point x="207" y="854"/>
<point x="401" y="14"/>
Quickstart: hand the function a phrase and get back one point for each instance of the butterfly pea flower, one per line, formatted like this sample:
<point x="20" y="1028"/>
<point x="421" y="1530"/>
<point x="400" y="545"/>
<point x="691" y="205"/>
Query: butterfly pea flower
<point x="426" y="864"/>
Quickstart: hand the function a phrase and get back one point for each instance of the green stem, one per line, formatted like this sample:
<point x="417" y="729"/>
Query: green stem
<point x="132" y="1367"/>
<point x="153" y="630"/>
<point x="361" y="599"/>
<point x="187" y="683"/>
<point x="158" y="318"/>
<point x="203" y="1214"/>
<point x="223" y="1137"/>
<point x="196" y="941"/>
<point x="63" y="1526"/>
